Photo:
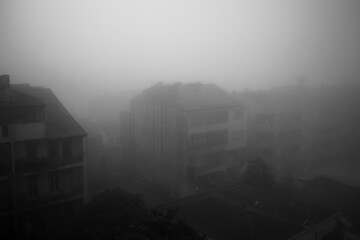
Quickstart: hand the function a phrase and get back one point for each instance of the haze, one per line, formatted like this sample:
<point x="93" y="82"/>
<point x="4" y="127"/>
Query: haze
<point x="77" y="46"/>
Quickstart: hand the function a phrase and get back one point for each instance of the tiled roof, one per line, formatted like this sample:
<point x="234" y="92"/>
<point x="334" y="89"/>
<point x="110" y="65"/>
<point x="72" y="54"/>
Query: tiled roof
<point x="59" y="122"/>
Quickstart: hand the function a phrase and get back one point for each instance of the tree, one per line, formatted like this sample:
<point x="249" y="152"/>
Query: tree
<point x="258" y="173"/>
<point x="117" y="214"/>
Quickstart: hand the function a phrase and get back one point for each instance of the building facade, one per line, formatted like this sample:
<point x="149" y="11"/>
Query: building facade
<point x="183" y="132"/>
<point x="42" y="162"/>
<point x="306" y="131"/>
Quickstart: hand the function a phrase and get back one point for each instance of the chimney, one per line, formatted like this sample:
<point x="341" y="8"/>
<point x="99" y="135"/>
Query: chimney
<point x="4" y="82"/>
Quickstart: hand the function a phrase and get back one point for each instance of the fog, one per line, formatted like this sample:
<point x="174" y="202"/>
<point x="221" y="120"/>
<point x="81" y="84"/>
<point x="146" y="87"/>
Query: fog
<point x="217" y="119"/>
<point x="97" y="46"/>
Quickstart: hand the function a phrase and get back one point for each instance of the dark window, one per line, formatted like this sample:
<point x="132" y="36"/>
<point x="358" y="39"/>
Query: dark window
<point x="265" y="119"/>
<point x="238" y="114"/>
<point x="264" y="136"/>
<point x="53" y="149"/>
<point x="208" y="118"/>
<point x="54" y="183"/>
<point x="5" y="130"/>
<point x="34" y="186"/>
<point x="238" y="135"/>
<point x="297" y="116"/>
<point x="67" y="148"/>
<point x="209" y="138"/>
<point x="31" y="150"/>
<point x="5" y="153"/>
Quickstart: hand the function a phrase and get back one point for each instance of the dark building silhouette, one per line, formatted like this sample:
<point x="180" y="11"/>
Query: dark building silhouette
<point x="42" y="162"/>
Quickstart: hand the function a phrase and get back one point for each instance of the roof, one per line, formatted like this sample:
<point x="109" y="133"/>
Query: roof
<point x="237" y="212"/>
<point x="59" y="122"/>
<point x="12" y="98"/>
<point x="221" y="220"/>
<point x="191" y="96"/>
<point x="271" y="202"/>
<point x="199" y="96"/>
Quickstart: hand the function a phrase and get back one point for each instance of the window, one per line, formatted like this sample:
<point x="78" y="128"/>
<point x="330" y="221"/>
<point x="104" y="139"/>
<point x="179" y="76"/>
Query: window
<point x="238" y="114"/>
<point x="296" y="133"/>
<point x="67" y="148"/>
<point x="295" y="149"/>
<point x="33" y="186"/>
<point x="5" y="153"/>
<point x="53" y="149"/>
<point x="54" y="183"/>
<point x="5" y="130"/>
<point x="265" y="119"/>
<point x="264" y="136"/>
<point x="31" y="150"/>
<point x="209" y="138"/>
<point x="208" y="118"/>
<point x="297" y="116"/>
<point x="238" y="135"/>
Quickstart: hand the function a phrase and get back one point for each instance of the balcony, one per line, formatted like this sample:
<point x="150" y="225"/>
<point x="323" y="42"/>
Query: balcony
<point x="28" y="131"/>
<point x="25" y="202"/>
<point x="6" y="206"/>
<point x="207" y="149"/>
<point x="199" y="171"/>
<point x="6" y="203"/>
<point x="208" y="165"/>
<point x="5" y="169"/>
<point x="44" y="164"/>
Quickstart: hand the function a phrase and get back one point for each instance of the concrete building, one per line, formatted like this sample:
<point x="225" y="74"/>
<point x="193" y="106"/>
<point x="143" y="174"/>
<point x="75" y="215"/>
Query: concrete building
<point x="306" y="131"/>
<point x="183" y="132"/>
<point x="42" y="162"/>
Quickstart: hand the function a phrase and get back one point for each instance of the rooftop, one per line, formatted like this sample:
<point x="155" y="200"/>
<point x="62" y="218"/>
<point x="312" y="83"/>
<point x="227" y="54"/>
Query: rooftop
<point x="191" y="96"/>
<point x="240" y="211"/>
<point x="12" y="98"/>
<point x="59" y="122"/>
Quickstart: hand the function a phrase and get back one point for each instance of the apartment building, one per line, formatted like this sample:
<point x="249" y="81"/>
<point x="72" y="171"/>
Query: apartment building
<point x="42" y="162"/>
<point x="182" y="132"/>
<point x="280" y="124"/>
<point x="336" y="132"/>
<point x="306" y="131"/>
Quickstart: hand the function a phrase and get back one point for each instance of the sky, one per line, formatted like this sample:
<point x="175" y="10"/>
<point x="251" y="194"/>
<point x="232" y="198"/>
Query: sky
<point x="82" y="48"/>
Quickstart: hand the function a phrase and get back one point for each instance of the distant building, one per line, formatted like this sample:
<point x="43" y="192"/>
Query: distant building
<point x="42" y="162"/>
<point x="105" y="139"/>
<point x="306" y="131"/>
<point x="182" y="132"/>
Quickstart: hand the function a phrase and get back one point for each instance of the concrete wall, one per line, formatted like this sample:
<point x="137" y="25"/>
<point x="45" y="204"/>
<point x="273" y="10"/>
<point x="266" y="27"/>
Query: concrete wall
<point x="156" y="139"/>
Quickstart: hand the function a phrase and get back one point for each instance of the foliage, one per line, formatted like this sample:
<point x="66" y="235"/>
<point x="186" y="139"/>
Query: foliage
<point x="258" y="173"/>
<point x="117" y="214"/>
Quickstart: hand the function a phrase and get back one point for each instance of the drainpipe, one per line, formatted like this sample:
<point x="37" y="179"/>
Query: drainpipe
<point x="13" y="181"/>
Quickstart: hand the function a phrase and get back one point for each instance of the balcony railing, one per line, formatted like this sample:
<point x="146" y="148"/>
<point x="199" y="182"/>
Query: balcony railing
<point x="6" y="205"/>
<point x="5" y="169"/>
<point x="207" y="169"/>
<point x="206" y="149"/>
<point x="44" y="164"/>
<point x="24" y="202"/>
<point x="28" y="131"/>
